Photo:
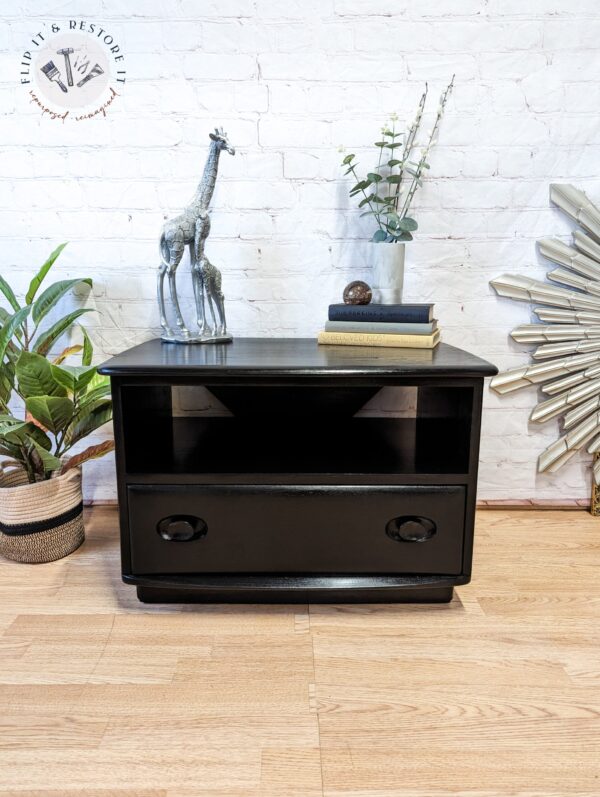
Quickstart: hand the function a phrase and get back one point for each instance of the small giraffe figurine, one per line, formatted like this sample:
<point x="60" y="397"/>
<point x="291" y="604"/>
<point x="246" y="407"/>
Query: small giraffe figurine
<point x="191" y="228"/>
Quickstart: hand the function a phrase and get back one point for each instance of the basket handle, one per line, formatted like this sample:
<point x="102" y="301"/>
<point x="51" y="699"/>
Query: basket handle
<point x="7" y="465"/>
<point x="71" y="474"/>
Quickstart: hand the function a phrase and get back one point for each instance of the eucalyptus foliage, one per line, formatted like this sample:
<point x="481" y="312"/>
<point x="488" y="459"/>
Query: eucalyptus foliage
<point x="62" y="403"/>
<point x="388" y="191"/>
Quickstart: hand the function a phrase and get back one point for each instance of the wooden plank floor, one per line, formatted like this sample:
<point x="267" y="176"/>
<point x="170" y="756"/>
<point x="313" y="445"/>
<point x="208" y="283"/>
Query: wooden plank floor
<point x="496" y="694"/>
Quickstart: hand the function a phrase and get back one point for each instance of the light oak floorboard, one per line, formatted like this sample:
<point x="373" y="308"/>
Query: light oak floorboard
<point x="496" y="694"/>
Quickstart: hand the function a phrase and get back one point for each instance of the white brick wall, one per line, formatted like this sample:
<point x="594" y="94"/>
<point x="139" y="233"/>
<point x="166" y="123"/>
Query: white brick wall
<point x="291" y="82"/>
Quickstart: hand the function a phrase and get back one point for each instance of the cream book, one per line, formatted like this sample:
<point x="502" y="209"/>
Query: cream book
<point x="373" y="339"/>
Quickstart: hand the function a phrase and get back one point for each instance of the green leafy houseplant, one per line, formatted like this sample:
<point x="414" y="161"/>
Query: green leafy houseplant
<point x="388" y="191"/>
<point x="61" y="403"/>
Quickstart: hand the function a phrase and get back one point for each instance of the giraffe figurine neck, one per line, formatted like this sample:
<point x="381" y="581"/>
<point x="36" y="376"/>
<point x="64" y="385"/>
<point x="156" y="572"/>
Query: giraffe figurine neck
<point x="206" y="185"/>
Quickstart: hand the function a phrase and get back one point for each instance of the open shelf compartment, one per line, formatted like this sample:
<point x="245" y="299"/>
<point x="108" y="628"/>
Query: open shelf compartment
<point x="298" y="430"/>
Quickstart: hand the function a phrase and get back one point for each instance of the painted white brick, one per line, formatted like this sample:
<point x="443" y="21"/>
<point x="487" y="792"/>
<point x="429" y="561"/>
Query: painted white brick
<point x="233" y="36"/>
<point x="382" y="34"/>
<point x="582" y="97"/>
<point x="301" y="166"/>
<point x="195" y="9"/>
<point x="507" y="96"/>
<point x="511" y="65"/>
<point x="447" y="8"/>
<point x="356" y="8"/>
<point x="560" y="34"/>
<point x="286" y="66"/>
<point x="306" y="97"/>
<point x="282" y="133"/>
<point x="293" y="9"/>
<point x="248" y="194"/>
<point x="183" y="36"/>
<point x="481" y="35"/>
<point x="141" y="37"/>
<point x="291" y="82"/>
<point x="253" y="97"/>
<point x="259" y="165"/>
<point x="202" y="66"/>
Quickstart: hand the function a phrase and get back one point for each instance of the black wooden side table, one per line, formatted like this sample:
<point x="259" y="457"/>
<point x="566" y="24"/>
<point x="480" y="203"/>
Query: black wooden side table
<point x="292" y="480"/>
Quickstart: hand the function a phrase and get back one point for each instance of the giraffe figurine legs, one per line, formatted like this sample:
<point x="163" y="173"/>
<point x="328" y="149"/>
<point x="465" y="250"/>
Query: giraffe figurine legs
<point x="171" y="254"/>
<point x="207" y="291"/>
<point x="216" y="299"/>
<point x="201" y="232"/>
<point x="207" y="288"/>
<point x="160" y="289"/>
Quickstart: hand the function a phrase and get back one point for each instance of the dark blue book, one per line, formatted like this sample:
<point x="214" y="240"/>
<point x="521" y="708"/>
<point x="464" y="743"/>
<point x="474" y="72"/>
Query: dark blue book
<point x="390" y="313"/>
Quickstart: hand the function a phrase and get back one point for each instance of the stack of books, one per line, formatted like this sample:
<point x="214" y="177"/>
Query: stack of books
<point x="408" y="326"/>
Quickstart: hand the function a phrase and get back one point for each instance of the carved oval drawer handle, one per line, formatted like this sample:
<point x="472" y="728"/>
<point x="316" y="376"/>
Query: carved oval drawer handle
<point x="182" y="528"/>
<point x="410" y="528"/>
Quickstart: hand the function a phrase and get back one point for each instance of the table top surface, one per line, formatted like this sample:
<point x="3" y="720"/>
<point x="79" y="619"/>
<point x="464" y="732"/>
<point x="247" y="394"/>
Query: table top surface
<point x="291" y="357"/>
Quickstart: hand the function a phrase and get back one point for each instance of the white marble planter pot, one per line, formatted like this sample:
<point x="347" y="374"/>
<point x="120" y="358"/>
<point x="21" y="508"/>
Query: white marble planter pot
<point x="387" y="262"/>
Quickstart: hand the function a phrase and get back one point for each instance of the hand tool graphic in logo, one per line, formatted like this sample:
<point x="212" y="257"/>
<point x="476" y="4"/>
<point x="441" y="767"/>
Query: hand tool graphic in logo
<point x="73" y="71"/>
<point x="67" y="51"/>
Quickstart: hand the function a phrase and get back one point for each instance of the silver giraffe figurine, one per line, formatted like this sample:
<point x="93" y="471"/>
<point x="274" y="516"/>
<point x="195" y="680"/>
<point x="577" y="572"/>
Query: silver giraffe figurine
<point x="191" y="228"/>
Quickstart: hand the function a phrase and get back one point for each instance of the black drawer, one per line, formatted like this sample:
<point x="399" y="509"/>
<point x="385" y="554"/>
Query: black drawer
<point x="197" y="529"/>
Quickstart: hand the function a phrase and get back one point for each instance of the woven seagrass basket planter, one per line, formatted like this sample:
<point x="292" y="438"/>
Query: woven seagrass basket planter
<point x="40" y="522"/>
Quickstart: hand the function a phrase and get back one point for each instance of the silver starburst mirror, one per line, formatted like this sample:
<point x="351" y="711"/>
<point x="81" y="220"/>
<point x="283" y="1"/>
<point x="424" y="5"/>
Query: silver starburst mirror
<point x="566" y="359"/>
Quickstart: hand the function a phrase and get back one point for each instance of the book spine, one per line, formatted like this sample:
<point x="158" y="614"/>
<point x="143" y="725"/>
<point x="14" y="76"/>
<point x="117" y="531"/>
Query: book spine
<point x="380" y="313"/>
<point x="380" y="327"/>
<point x="394" y="341"/>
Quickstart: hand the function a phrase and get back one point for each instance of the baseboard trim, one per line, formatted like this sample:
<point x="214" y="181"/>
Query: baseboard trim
<point x="536" y="503"/>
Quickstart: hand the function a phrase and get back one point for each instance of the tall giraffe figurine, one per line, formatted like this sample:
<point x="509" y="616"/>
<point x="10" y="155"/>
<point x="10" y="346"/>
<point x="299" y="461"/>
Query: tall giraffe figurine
<point x="191" y="228"/>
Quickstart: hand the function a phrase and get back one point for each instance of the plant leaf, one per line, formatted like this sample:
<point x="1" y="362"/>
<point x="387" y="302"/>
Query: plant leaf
<point x="4" y="317"/>
<point x="88" y="349"/>
<point x="374" y="178"/>
<point x="8" y="292"/>
<point x="53" y="412"/>
<point x="348" y="159"/>
<point x="48" y="460"/>
<point x="64" y="377"/>
<point x="360" y="186"/>
<point x="394" y="162"/>
<point x="407" y="224"/>
<point x="393" y="179"/>
<point x="20" y="432"/>
<point x="12" y="451"/>
<point x="380" y="235"/>
<point x="93" y="452"/>
<point x="35" y="376"/>
<point x="99" y="380"/>
<point x="10" y="327"/>
<point x="381" y="144"/>
<point x="88" y="420"/>
<point x="39" y="277"/>
<point x="7" y="382"/>
<point x="52" y="295"/>
<point x="85" y="374"/>
<point x="96" y="393"/>
<point x="366" y="200"/>
<point x="66" y="352"/>
<point x="45" y="340"/>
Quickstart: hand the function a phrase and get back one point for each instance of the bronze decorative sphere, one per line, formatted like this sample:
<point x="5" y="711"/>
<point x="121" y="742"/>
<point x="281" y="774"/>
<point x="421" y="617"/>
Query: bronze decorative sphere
<point x="357" y="292"/>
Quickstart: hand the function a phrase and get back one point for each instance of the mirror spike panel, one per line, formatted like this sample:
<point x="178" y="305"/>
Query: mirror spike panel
<point x="566" y="342"/>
